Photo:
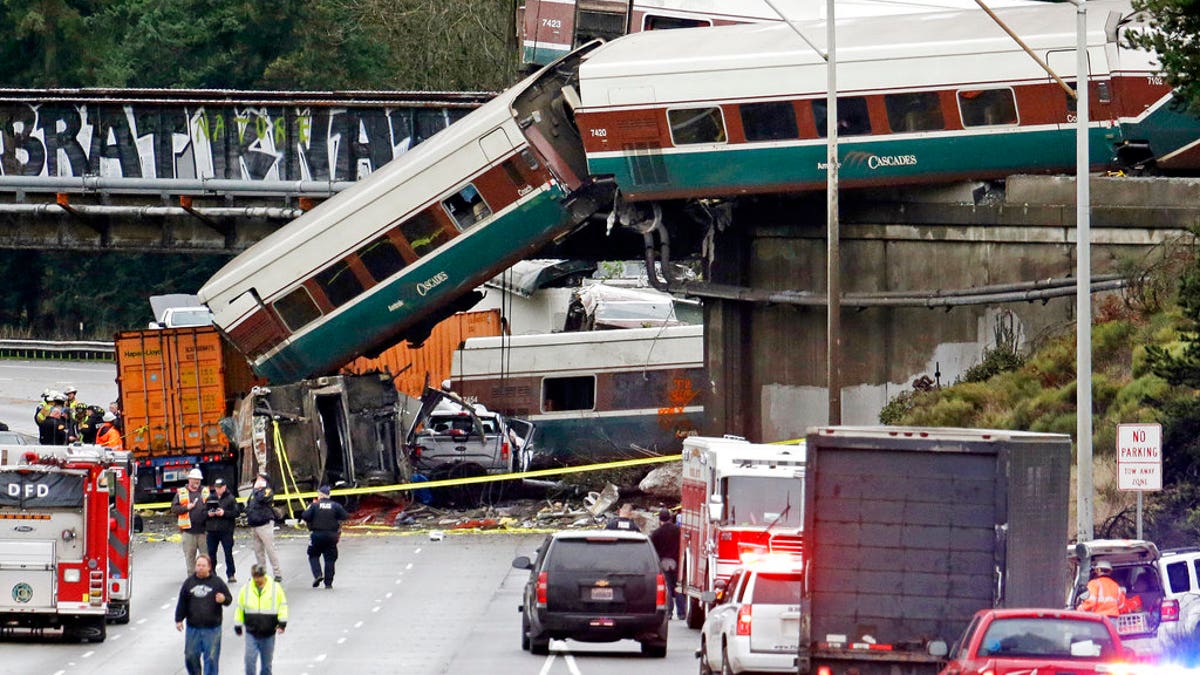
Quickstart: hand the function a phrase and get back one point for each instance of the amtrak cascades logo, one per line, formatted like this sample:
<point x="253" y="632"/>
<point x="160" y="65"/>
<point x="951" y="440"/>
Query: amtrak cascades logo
<point x="877" y="161"/>
<point x="431" y="283"/>
<point x="22" y="592"/>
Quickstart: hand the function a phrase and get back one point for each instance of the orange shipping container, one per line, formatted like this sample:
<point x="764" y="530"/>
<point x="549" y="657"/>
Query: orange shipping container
<point x="409" y="366"/>
<point x="175" y="386"/>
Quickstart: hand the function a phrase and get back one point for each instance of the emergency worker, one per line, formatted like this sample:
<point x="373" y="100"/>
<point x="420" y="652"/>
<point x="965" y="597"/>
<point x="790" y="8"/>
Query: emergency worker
<point x="90" y="425"/>
<point x="260" y="516"/>
<point x="324" y="517"/>
<point x="262" y="608"/>
<point x="624" y="520"/>
<point x="42" y="410"/>
<point x="218" y="527"/>
<point x="1104" y="595"/>
<point x="190" y="510"/>
<point x="107" y="435"/>
<point x="56" y="429"/>
<point x="115" y="408"/>
<point x="72" y="404"/>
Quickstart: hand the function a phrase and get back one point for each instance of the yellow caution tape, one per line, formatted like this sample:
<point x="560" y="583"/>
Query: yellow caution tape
<point x="472" y="480"/>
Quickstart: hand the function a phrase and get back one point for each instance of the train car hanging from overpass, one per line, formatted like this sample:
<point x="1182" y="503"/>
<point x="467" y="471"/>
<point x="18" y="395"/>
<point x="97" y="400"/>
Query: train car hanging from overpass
<point x="924" y="98"/>
<point x="404" y="248"/>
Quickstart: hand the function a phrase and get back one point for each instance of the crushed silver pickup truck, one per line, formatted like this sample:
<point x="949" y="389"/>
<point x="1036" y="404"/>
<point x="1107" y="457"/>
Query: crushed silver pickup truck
<point x="453" y="437"/>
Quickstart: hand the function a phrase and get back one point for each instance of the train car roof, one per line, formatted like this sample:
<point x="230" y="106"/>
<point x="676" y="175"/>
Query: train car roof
<point x="803" y="10"/>
<point x="663" y="66"/>
<point x="381" y="184"/>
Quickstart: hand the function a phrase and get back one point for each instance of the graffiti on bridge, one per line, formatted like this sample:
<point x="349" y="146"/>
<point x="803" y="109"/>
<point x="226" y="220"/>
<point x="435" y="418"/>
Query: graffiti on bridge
<point x="242" y="142"/>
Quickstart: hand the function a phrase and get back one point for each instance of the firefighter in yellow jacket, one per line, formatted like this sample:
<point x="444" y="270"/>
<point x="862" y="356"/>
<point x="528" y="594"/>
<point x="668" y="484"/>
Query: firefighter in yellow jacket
<point x="262" y="609"/>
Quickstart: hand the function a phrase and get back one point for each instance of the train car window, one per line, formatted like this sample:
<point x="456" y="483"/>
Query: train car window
<point x="696" y="125"/>
<point x="339" y="283"/>
<point x="655" y="22"/>
<point x="530" y="160"/>
<point x="569" y="393"/>
<point x="381" y="258"/>
<point x="514" y="175"/>
<point x="769" y="121"/>
<point x="297" y="309"/>
<point x="466" y="207"/>
<point x="987" y="107"/>
<point x="853" y="119"/>
<point x="920" y="111"/>
<point x="423" y="233"/>
<point x="592" y="24"/>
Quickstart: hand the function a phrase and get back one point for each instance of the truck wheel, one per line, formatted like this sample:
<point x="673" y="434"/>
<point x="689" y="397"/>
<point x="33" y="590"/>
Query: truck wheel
<point x="654" y="649"/>
<point x="118" y="612"/>
<point x="726" y="669"/>
<point x="539" y="645"/>
<point x="86" y="630"/>
<point x="694" y="614"/>
<point x="524" y="632"/>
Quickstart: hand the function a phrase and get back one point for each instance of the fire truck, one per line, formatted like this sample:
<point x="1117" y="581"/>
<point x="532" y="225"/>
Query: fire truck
<point x="739" y="500"/>
<point x="66" y="515"/>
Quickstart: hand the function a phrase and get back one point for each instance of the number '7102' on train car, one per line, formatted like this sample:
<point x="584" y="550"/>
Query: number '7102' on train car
<point x="922" y="98"/>
<point x="404" y="248"/>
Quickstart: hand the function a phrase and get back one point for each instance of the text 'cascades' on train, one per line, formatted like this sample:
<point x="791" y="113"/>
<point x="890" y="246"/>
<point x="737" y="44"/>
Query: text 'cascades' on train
<point x="939" y="96"/>
<point x="404" y="248"/>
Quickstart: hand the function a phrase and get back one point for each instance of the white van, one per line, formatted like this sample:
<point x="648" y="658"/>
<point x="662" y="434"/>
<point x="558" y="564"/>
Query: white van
<point x="1180" y="569"/>
<point x="1136" y="569"/>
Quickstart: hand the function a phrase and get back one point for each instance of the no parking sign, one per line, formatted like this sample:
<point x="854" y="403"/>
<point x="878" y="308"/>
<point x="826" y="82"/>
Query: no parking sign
<point x="1139" y="457"/>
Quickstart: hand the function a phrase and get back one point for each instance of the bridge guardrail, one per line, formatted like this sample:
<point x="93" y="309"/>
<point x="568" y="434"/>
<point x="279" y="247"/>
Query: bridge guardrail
<point x="75" y="350"/>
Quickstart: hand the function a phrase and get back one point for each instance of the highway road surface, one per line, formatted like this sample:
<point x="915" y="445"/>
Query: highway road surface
<point x="401" y="603"/>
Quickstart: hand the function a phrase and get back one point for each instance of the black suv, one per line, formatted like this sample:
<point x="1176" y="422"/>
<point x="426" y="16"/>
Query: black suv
<point x="594" y="586"/>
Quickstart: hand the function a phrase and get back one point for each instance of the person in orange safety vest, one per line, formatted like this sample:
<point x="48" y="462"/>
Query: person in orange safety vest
<point x="1104" y="596"/>
<point x="107" y="435"/>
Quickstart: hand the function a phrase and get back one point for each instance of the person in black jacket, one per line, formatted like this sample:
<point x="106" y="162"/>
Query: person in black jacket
<point x="222" y="513"/>
<point x="324" y="517"/>
<point x="666" y="543"/>
<point x="200" y="600"/>
<point x="260" y="516"/>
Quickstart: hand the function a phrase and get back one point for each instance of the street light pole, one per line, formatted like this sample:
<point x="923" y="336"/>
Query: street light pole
<point x="833" y="255"/>
<point x="1083" y="290"/>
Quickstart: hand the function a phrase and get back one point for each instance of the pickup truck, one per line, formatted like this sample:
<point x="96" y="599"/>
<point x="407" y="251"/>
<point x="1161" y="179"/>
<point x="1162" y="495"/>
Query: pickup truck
<point x="453" y="437"/>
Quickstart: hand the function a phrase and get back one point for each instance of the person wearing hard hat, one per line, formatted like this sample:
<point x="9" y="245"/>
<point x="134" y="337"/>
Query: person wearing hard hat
<point x="191" y="514"/>
<point x="42" y="411"/>
<point x="107" y="435"/>
<point x="1104" y="596"/>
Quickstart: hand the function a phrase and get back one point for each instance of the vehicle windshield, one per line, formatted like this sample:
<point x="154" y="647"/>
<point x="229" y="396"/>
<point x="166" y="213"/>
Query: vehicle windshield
<point x="622" y="556"/>
<point x="1037" y="637"/>
<point x="448" y="423"/>
<point x="754" y="500"/>
<point x="777" y="589"/>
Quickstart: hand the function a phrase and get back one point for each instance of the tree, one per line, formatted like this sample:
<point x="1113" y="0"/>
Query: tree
<point x="1173" y="27"/>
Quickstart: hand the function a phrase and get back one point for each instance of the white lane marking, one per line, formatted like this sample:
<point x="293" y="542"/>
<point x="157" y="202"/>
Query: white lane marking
<point x="341" y="640"/>
<point x="375" y="608"/>
<point x="549" y="662"/>
<point x="320" y="658"/>
<point x="358" y="625"/>
<point x="166" y="606"/>
<point x="87" y="654"/>
<point x="570" y="659"/>
<point x="141" y="621"/>
<point x="115" y="637"/>
<point x="60" y="672"/>
<point x="399" y="580"/>
<point x="408" y="566"/>
<point x="418" y="550"/>
<point x="388" y="596"/>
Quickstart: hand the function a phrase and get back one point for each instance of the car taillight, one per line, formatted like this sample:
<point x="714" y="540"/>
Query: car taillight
<point x="416" y="452"/>
<point x="824" y="670"/>
<point x="1169" y="611"/>
<point x="743" y="620"/>
<point x="504" y="451"/>
<point x="660" y="592"/>
<point x="543" y="580"/>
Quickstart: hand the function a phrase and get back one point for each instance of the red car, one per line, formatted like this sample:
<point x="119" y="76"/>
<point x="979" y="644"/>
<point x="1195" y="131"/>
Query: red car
<point x="1000" y="641"/>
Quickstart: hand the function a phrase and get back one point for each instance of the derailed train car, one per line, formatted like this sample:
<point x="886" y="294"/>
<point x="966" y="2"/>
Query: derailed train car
<point x="342" y="430"/>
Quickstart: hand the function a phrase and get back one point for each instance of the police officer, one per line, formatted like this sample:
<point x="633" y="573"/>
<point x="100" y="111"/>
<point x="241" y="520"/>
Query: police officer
<point x="324" y="518"/>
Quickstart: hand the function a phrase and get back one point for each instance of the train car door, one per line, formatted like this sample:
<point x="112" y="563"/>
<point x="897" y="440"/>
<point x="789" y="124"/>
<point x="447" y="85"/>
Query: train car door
<point x="1063" y="62"/>
<point x="601" y="19"/>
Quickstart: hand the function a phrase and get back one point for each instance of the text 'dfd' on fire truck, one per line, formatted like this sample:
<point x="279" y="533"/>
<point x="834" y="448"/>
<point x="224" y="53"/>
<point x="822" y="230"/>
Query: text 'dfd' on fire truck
<point x="740" y="500"/>
<point x="65" y="522"/>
